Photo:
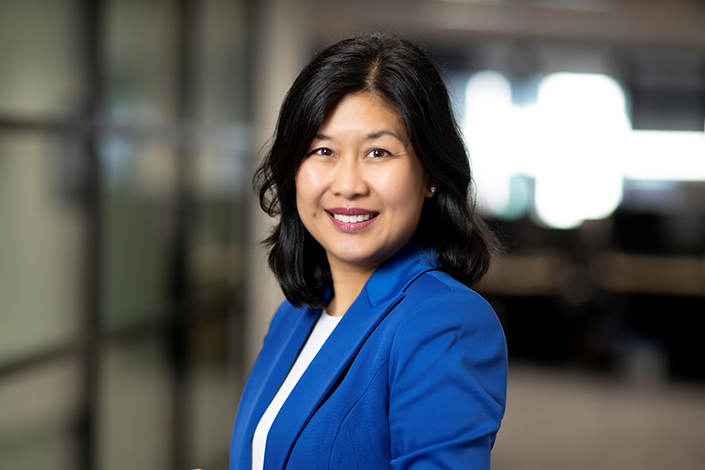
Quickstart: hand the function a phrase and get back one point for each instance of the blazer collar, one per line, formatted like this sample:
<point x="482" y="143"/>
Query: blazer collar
<point x="395" y="274"/>
<point x="381" y="293"/>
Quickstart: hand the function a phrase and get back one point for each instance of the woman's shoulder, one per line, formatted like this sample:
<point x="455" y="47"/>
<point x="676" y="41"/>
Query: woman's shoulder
<point x="437" y="293"/>
<point x="438" y="309"/>
<point x="446" y="333"/>
<point x="437" y="306"/>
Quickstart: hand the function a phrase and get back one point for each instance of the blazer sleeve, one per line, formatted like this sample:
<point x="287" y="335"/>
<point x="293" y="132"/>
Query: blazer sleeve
<point x="447" y="376"/>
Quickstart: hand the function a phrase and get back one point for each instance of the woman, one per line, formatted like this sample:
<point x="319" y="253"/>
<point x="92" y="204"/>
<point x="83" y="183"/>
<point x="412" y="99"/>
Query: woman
<point x="381" y="356"/>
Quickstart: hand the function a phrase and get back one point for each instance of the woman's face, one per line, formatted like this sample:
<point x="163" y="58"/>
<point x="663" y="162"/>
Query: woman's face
<point x="361" y="188"/>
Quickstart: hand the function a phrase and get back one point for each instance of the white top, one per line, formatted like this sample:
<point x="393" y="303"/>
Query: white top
<point x="324" y="327"/>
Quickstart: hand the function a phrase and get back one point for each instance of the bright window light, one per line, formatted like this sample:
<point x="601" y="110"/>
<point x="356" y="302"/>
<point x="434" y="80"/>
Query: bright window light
<point x="575" y="142"/>
<point x="666" y="156"/>
<point x="489" y="115"/>
<point x="584" y="127"/>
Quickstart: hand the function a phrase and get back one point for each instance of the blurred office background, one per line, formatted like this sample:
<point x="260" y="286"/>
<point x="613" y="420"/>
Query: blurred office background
<point x="133" y="296"/>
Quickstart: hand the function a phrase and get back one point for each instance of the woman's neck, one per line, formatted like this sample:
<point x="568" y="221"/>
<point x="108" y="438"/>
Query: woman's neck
<point x="347" y="284"/>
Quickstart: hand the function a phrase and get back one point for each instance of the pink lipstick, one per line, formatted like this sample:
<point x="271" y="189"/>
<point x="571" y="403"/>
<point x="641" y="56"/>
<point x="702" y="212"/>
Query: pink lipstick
<point x="351" y="219"/>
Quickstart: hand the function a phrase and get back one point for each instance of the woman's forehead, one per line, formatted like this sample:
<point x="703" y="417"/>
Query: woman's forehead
<point x="367" y="111"/>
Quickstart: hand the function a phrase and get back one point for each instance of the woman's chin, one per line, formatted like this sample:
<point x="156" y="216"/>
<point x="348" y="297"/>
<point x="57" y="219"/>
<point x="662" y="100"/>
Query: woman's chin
<point x="359" y="259"/>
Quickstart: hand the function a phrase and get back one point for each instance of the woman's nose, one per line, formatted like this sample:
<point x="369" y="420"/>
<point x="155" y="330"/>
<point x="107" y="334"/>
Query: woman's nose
<point x="349" y="178"/>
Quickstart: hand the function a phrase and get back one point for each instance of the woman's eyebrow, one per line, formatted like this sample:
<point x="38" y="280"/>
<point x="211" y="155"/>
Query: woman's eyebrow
<point x="372" y="136"/>
<point x="378" y="134"/>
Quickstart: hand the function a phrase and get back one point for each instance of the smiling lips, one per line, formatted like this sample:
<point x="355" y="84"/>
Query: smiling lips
<point x="351" y="219"/>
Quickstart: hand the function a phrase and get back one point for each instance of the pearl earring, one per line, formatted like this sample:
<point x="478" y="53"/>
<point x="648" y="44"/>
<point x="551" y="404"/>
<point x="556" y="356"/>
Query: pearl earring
<point x="433" y="189"/>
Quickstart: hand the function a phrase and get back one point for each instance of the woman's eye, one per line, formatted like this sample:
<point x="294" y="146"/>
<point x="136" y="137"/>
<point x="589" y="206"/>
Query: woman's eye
<point x="378" y="153"/>
<point x="326" y="152"/>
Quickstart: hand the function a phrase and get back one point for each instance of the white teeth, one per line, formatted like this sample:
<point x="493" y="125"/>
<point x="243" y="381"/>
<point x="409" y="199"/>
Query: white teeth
<point x="347" y="219"/>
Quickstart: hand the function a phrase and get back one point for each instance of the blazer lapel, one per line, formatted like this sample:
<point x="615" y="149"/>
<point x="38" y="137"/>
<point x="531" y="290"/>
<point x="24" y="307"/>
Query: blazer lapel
<point x="381" y="294"/>
<point x="274" y="368"/>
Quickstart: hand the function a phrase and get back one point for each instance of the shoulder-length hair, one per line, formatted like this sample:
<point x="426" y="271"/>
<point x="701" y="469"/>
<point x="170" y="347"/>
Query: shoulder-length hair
<point x="406" y="79"/>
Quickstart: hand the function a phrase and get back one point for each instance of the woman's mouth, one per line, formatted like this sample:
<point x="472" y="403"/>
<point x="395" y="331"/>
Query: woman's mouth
<point x="353" y="219"/>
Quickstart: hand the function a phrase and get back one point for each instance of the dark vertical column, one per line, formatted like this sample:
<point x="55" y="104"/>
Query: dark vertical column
<point x="91" y="195"/>
<point x="237" y="349"/>
<point x="186" y="35"/>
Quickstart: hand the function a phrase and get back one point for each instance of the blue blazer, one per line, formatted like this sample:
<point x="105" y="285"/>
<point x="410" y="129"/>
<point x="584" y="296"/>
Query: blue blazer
<point x="413" y="377"/>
